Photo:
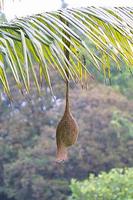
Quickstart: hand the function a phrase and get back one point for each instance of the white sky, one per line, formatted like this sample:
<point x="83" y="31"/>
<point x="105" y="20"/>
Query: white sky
<point x="28" y="7"/>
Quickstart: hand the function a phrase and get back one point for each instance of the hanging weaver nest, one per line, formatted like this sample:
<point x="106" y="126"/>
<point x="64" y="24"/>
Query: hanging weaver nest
<point x="67" y="131"/>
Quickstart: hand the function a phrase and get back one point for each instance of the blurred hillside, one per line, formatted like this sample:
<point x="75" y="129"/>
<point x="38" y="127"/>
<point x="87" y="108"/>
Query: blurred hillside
<point x="27" y="139"/>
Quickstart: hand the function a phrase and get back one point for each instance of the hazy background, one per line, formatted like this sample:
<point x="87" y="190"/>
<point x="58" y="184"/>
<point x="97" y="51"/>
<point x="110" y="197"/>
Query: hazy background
<point x="27" y="7"/>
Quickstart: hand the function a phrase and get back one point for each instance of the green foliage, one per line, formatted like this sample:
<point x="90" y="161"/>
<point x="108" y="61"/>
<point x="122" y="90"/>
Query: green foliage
<point x="123" y="125"/>
<point x="115" y="185"/>
<point x="123" y="82"/>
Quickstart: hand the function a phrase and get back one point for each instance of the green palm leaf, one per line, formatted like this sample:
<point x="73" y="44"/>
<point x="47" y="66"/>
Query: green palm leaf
<point x="43" y="39"/>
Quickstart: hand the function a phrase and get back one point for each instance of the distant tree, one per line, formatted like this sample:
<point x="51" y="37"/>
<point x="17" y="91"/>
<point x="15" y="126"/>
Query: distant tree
<point x="63" y="4"/>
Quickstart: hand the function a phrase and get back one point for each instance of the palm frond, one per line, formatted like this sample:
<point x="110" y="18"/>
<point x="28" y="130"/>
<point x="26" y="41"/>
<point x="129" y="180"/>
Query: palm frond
<point x="42" y="39"/>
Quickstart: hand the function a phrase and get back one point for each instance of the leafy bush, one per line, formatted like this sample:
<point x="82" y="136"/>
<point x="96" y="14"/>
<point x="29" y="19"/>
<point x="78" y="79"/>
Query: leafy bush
<point x="115" y="185"/>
